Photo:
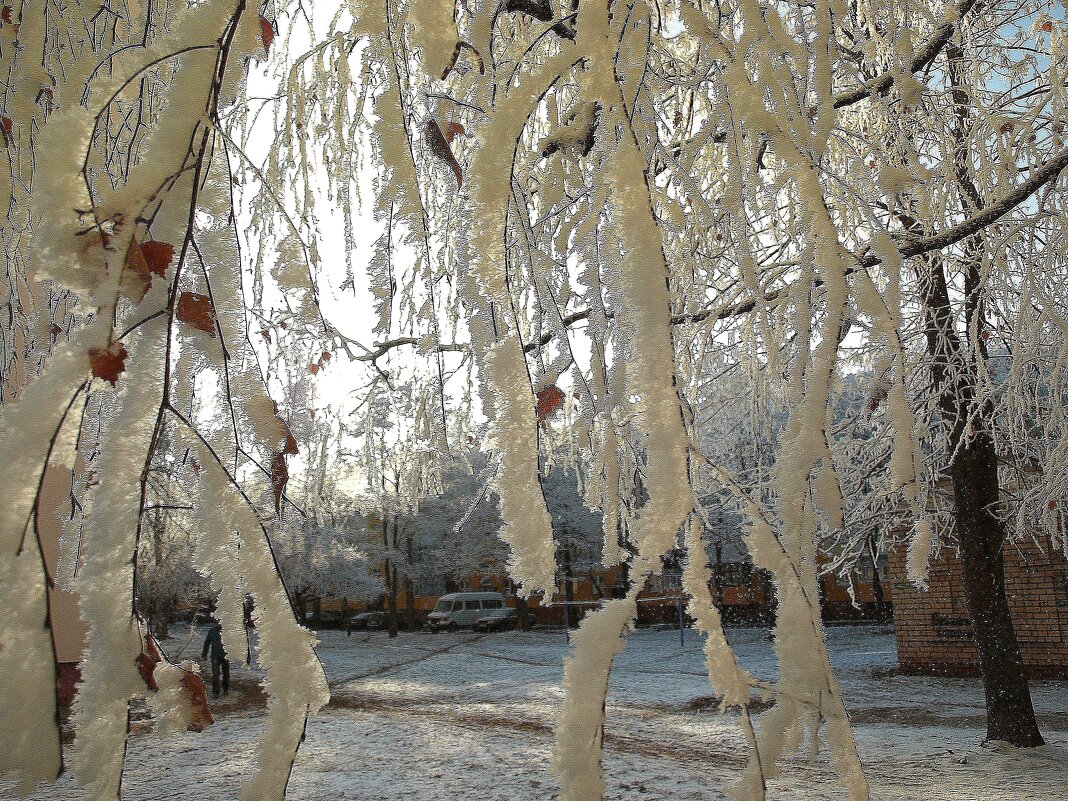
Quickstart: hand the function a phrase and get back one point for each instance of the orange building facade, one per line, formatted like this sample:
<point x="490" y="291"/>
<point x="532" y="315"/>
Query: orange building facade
<point x="934" y="629"/>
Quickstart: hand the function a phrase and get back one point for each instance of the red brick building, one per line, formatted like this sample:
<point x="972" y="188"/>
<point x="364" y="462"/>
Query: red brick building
<point x="933" y="627"/>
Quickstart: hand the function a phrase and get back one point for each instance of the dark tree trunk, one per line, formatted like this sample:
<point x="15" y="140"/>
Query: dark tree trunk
<point x="409" y="606"/>
<point x="392" y="586"/>
<point x="881" y="612"/>
<point x="409" y="583"/>
<point x="880" y="597"/>
<point x="161" y="624"/>
<point x="569" y="589"/>
<point x="974" y="474"/>
<point x="769" y="608"/>
<point x="717" y="577"/>
<point x="393" y="628"/>
<point x="1010" y="715"/>
<point x="522" y="611"/>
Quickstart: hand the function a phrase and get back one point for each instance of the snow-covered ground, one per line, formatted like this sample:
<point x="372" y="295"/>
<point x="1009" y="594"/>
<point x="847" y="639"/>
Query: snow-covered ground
<point x="452" y="717"/>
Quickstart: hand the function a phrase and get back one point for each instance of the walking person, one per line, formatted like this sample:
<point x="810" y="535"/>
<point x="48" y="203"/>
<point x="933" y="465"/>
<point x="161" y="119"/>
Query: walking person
<point x="220" y="665"/>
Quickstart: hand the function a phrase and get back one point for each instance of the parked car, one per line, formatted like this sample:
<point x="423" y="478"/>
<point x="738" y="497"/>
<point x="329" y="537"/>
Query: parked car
<point x="368" y="620"/>
<point x="463" y="609"/>
<point x="497" y="620"/>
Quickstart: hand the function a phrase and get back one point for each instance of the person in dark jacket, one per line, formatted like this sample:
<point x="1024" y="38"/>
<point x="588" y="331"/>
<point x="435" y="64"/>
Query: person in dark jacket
<point x="219" y="663"/>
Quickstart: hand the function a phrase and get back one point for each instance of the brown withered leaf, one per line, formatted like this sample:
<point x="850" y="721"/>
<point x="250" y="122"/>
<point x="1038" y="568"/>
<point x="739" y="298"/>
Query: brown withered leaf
<point x="196" y="696"/>
<point x="108" y="363"/>
<point x="290" y="447"/>
<point x="549" y="400"/>
<point x="158" y="256"/>
<point x="279" y="479"/>
<point x="196" y="310"/>
<point x="439" y="146"/>
<point x="147" y="661"/>
<point x="324" y="359"/>
<point x="136" y="275"/>
<point x="266" y="33"/>
<point x="460" y="47"/>
<point x="452" y="130"/>
<point x="279" y="468"/>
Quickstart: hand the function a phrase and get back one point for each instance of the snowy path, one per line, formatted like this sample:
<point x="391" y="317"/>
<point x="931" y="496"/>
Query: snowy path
<point x="452" y="717"/>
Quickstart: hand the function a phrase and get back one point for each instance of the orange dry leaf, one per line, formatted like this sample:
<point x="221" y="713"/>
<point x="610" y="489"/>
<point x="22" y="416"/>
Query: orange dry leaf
<point x="313" y="368"/>
<point x="197" y="698"/>
<point x="108" y="363"/>
<point x="5" y="130"/>
<point x="147" y="661"/>
<point x="550" y="399"/>
<point x="5" y="15"/>
<point x="197" y="311"/>
<point x="290" y="448"/>
<point x="158" y="256"/>
<point x="325" y="357"/>
<point x="279" y="469"/>
<point x="266" y="33"/>
<point x="279" y="479"/>
<point x="452" y="130"/>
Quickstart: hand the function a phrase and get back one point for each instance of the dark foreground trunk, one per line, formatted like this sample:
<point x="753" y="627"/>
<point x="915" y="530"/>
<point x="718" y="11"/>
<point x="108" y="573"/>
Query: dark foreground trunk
<point x="1010" y="715"/>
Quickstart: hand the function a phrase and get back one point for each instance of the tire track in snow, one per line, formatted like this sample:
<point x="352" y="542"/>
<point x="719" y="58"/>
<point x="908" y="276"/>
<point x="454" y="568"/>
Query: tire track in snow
<point x="906" y="779"/>
<point x="691" y="754"/>
<point x="415" y="660"/>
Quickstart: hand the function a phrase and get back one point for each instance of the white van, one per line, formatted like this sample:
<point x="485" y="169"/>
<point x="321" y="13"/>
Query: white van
<point x="463" y="608"/>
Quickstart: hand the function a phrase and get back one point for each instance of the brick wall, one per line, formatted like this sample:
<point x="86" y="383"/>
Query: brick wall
<point x="933" y="628"/>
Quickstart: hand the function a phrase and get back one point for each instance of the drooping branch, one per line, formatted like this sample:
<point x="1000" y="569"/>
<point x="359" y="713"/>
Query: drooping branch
<point x="911" y="247"/>
<point x="923" y="57"/>
<point x="991" y="214"/>
<point x="382" y="348"/>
